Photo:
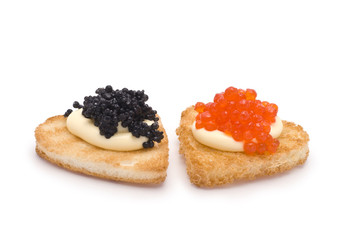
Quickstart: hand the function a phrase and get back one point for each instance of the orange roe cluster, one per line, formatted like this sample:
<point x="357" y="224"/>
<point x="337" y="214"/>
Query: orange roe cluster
<point x="239" y="114"/>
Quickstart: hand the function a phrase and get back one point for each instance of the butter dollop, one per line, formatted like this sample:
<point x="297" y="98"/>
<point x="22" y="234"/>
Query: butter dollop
<point x="219" y="140"/>
<point x="85" y="129"/>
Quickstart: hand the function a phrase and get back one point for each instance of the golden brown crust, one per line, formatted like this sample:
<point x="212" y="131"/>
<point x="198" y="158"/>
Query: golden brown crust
<point x="208" y="167"/>
<point x="57" y="145"/>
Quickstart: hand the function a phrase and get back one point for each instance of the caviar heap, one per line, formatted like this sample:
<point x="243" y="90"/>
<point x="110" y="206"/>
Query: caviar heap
<point x="111" y="107"/>
<point x="239" y="114"/>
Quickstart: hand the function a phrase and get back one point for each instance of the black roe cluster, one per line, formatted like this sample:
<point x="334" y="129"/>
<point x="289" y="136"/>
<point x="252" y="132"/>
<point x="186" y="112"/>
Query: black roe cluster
<point x="111" y="107"/>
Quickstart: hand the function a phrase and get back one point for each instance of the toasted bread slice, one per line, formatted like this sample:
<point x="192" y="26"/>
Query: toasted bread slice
<point x="208" y="167"/>
<point x="57" y="145"/>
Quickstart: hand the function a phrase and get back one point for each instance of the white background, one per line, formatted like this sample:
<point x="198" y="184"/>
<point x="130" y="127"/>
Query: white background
<point x="301" y="55"/>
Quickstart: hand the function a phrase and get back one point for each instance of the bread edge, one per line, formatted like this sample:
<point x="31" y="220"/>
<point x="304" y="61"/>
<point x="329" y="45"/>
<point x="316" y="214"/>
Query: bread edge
<point x="158" y="177"/>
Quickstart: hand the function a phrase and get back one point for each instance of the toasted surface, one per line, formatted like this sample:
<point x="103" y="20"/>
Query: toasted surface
<point x="57" y="145"/>
<point x="208" y="167"/>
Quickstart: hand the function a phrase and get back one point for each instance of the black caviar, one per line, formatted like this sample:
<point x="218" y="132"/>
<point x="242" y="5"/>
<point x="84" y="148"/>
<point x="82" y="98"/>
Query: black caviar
<point x="111" y="107"/>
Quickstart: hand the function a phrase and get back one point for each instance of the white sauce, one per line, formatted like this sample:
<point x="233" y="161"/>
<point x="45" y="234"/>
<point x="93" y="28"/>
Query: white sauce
<point x="221" y="141"/>
<point x="84" y="128"/>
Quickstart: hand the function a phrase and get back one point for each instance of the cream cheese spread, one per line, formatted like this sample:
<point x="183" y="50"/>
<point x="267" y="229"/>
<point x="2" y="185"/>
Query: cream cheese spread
<point x="85" y="129"/>
<point x="221" y="141"/>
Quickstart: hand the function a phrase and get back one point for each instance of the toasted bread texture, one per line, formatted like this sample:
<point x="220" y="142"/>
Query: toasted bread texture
<point x="208" y="167"/>
<point x="57" y="145"/>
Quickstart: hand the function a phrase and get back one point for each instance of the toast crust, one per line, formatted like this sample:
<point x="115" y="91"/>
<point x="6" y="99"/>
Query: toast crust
<point x="57" y="145"/>
<point x="208" y="167"/>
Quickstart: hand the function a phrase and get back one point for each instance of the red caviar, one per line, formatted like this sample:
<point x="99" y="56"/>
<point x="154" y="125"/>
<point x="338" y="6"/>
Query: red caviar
<point x="239" y="114"/>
